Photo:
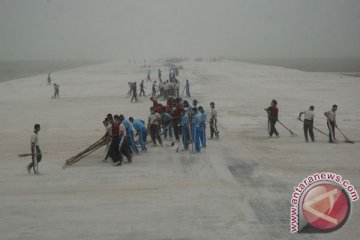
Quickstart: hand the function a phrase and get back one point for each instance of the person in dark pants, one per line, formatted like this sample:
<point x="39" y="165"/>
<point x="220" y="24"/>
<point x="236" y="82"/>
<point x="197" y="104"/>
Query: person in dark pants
<point x="331" y="123"/>
<point x="308" y="123"/>
<point x="203" y="116"/>
<point x="185" y="125"/>
<point x="213" y="121"/>
<point x="176" y="118"/>
<point x="154" y="122"/>
<point x="129" y="133"/>
<point x="56" y="91"/>
<point x="114" y="152"/>
<point x="35" y="151"/>
<point x="167" y="126"/>
<point x="140" y="128"/>
<point x="124" y="146"/>
<point x="272" y="112"/>
<point x="134" y="92"/>
<point x="142" y="89"/>
<point x="195" y="129"/>
<point x="187" y="86"/>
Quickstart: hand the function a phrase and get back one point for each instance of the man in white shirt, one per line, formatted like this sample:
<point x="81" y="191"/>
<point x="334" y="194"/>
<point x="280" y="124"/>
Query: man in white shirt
<point x="331" y="123"/>
<point x="308" y="123"/>
<point x="154" y="122"/>
<point x="35" y="151"/>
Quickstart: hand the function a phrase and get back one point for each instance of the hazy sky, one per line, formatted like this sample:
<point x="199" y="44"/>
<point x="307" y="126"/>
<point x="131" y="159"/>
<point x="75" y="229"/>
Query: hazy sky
<point x="111" y="29"/>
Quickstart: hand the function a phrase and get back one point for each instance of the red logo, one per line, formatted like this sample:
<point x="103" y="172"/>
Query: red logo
<point x="326" y="207"/>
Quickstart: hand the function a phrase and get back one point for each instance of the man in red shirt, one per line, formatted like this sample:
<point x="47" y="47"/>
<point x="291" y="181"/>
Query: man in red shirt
<point x="114" y="152"/>
<point x="272" y="112"/>
<point x="176" y="118"/>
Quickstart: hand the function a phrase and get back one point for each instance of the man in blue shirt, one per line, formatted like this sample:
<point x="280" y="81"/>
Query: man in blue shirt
<point x="203" y="116"/>
<point x="166" y="123"/>
<point x="129" y="133"/>
<point x="139" y="126"/>
<point x="195" y="120"/>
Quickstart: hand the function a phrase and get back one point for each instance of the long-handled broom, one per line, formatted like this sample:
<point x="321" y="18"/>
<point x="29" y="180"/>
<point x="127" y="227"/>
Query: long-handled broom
<point x="347" y="140"/>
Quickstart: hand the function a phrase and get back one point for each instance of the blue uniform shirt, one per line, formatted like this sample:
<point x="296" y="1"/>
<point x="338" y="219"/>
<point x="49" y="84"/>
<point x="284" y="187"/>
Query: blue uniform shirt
<point x="196" y="120"/>
<point x="203" y="117"/>
<point x="127" y="124"/>
<point x="185" y="120"/>
<point x="138" y="124"/>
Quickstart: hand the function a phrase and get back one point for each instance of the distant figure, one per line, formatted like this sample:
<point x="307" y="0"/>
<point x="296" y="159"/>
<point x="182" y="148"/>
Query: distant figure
<point x="148" y="78"/>
<point x="134" y="91"/>
<point x="159" y="74"/>
<point x="213" y="121"/>
<point x="49" y="79"/>
<point x="130" y="88"/>
<point x="331" y="123"/>
<point x="35" y="151"/>
<point x="272" y="112"/>
<point x="56" y="91"/>
<point x="154" y="89"/>
<point x="308" y="123"/>
<point x="142" y="88"/>
<point x="187" y="86"/>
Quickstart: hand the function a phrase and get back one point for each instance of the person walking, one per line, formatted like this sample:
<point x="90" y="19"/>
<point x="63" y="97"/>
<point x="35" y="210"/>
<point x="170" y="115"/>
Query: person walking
<point x="134" y="91"/>
<point x="331" y="123"/>
<point x="142" y="89"/>
<point x="154" y="122"/>
<point x="130" y="88"/>
<point x="213" y="121"/>
<point x="308" y="123"/>
<point x="36" y="155"/>
<point x="56" y="91"/>
<point x="272" y="112"/>
<point x="187" y="87"/>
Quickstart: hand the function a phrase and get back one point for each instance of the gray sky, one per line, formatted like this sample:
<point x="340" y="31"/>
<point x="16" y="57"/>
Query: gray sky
<point x="112" y="29"/>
